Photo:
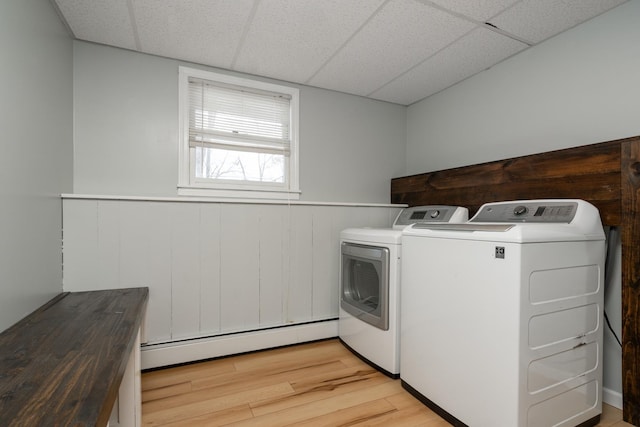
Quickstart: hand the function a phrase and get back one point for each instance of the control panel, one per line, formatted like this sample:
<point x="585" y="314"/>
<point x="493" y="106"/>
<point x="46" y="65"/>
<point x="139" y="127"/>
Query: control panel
<point x="527" y="211"/>
<point x="424" y="214"/>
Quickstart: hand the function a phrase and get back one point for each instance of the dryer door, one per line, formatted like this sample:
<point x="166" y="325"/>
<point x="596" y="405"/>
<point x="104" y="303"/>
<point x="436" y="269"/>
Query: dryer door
<point x="365" y="283"/>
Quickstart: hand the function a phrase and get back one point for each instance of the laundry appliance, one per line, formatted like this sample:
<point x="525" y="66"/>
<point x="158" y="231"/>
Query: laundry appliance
<point x="370" y="284"/>
<point x="501" y="321"/>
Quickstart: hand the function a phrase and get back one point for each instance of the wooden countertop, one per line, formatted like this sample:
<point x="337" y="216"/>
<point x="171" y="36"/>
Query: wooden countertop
<point x="62" y="365"/>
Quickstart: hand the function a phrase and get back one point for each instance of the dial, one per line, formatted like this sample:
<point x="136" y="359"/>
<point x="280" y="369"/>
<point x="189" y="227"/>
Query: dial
<point x="520" y="210"/>
<point x="434" y="214"/>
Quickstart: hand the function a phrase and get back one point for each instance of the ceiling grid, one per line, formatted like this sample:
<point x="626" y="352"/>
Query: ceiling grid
<point x="398" y="51"/>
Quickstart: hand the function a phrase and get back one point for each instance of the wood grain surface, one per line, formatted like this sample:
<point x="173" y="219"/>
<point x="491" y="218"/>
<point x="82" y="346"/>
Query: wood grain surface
<point x="62" y="365"/>
<point x="590" y="172"/>
<point x="630" y="236"/>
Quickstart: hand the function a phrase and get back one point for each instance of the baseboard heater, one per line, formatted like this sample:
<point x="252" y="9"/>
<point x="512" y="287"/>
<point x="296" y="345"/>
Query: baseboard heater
<point x="202" y="348"/>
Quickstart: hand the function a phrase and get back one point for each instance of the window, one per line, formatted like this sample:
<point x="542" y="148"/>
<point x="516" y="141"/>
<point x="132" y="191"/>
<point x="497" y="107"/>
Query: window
<point x="239" y="137"/>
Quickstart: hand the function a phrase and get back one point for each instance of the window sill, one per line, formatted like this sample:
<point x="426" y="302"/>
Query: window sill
<point x="239" y="194"/>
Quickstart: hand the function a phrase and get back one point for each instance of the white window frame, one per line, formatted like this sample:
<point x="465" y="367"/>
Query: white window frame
<point x="187" y="183"/>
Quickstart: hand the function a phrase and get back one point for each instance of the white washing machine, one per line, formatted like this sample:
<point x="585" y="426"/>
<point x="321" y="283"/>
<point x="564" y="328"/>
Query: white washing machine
<point x="501" y="322"/>
<point x="369" y="285"/>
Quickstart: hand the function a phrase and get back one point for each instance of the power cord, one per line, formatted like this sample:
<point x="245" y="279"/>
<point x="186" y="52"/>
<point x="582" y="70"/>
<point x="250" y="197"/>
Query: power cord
<point x="612" y="241"/>
<point x="606" y="318"/>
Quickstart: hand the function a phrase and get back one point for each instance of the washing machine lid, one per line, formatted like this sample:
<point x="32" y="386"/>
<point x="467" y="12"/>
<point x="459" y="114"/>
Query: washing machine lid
<point x="523" y="221"/>
<point x="530" y="211"/>
<point x="413" y="215"/>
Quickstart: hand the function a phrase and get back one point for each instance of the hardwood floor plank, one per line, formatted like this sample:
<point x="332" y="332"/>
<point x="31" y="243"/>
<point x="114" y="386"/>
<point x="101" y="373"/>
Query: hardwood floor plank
<point x="335" y="379"/>
<point x="321" y="387"/>
<point x="259" y="377"/>
<point x="322" y="407"/>
<point x="404" y="400"/>
<point x="352" y="360"/>
<point x="291" y="356"/>
<point x="166" y="391"/>
<point x="205" y="402"/>
<point x="215" y="419"/>
<point x="411" y="412"/>
<point x="354" y="415"/>
<point x="205" y="395"/>
<point x="184" y="373"/>
<point x="406" y="418"/>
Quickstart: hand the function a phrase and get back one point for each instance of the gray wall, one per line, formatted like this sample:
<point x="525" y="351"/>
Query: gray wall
<point x="578" y="88"/>
<point x="35" y="153"/>
<point x="126" y="132"/>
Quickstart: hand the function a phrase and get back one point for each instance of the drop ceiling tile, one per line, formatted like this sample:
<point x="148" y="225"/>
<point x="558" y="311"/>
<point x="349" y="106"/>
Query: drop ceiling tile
<point x="202" y="31"/>
<point x="99" y="21"/>
<point x="401" y="35"/>
<point x="290" y="40"/>
<point x="479" y="10"/>
<point x="537" y="20"/>
<point x="475" y="52"/>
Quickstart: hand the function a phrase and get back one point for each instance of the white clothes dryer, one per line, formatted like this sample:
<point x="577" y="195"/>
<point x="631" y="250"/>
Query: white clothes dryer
<point x="370" y="285"/>
<point x="501" y="322"/>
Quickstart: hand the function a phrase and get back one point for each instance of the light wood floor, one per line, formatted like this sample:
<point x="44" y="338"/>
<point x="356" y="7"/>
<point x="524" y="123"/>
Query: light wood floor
<point x="316" y="384"/>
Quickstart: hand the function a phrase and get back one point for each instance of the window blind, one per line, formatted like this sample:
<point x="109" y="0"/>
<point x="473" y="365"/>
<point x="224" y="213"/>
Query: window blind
<point x="230" y="117"/>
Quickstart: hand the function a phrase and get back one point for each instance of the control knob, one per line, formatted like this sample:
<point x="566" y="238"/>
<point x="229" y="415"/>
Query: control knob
<point x="520" y="210"/>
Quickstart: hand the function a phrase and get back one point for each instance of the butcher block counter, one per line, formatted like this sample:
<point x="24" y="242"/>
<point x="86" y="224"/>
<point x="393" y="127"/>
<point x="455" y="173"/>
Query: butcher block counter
<point x="66" y="363"/>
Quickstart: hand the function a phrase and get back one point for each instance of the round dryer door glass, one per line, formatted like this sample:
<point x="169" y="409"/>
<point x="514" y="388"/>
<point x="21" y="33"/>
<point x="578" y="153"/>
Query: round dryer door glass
<point x="363" y="285"/>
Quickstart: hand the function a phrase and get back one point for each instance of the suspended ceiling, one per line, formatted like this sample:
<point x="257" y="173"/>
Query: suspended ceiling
<point x="399" y="51"/>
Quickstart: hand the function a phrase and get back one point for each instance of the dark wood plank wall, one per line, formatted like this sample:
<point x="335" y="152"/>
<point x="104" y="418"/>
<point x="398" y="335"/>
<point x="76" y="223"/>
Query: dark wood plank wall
<point x="606" y="174"/>
<point x="630" y="236"/>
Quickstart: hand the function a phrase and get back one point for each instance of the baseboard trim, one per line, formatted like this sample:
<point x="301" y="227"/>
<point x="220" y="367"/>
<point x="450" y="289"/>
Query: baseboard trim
<point x="612" y="398"/>
<point x="208" y="348"/>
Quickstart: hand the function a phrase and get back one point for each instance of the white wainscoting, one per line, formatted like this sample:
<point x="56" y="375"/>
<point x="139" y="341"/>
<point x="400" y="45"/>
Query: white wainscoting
<point x="212" y="268"/>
